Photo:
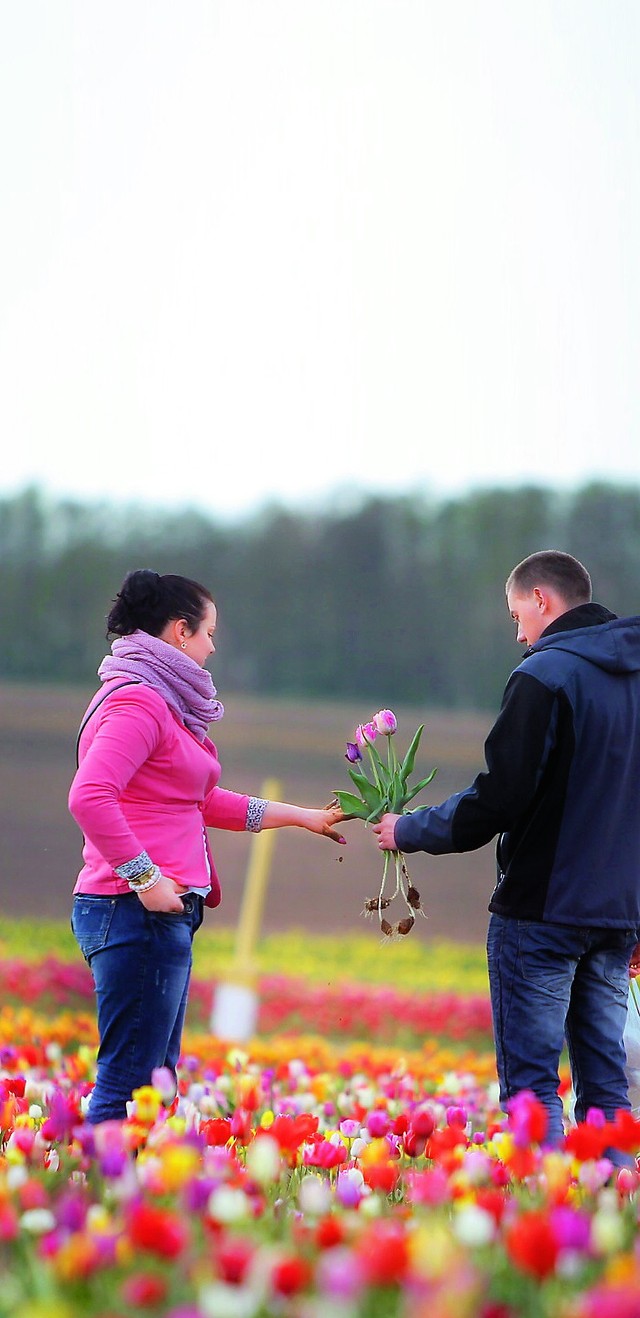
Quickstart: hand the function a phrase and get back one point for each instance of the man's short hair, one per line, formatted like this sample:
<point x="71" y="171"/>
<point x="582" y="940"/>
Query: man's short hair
<point x="550" y="567"/>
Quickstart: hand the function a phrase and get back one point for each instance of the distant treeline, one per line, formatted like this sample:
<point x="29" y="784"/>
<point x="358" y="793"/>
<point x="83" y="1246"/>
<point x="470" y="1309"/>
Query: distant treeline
<point x="396" y="600"/>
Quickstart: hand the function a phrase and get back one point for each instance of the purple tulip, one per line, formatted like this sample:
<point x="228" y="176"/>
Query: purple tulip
<point x="61" y="1120"/>
<point x="340" y="1274"/>
<point x="350" y="1188"/>
<point x="571" y="1228"/>
<point x="112" y="1163"/>
<point x="353" y="753"/>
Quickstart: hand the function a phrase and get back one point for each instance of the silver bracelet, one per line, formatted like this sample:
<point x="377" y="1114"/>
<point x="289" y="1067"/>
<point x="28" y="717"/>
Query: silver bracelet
<point x="255" y="813"/>
<point x="155" y="876"/>
<point x="136" y="868"/>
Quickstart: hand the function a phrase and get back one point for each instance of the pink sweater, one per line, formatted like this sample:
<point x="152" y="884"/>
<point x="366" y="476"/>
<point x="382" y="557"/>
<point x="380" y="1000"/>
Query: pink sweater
<point x="145" y="783"/>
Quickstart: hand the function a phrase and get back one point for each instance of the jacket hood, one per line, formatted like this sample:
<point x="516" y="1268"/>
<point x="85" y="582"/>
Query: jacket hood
<point x="613" y="645"/>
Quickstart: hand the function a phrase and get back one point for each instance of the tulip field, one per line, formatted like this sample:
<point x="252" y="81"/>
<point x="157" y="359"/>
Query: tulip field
<point x="351" y="1161"/>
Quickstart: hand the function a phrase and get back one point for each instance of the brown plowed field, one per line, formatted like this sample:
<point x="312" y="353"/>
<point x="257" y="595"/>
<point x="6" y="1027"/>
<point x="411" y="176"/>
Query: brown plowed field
<point x="314" y="884"/>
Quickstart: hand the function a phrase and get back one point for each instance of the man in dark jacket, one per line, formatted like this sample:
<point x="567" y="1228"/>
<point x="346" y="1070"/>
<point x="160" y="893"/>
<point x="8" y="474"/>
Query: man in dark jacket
<point x="562" y="792"/>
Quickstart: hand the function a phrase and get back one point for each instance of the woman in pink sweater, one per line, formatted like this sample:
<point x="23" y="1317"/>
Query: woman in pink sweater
<point x="145" y="791"/>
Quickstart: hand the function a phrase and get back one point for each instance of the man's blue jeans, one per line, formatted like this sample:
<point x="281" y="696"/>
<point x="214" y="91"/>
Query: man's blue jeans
<point x="551" y="982"/>
<point x="141" y="965"/>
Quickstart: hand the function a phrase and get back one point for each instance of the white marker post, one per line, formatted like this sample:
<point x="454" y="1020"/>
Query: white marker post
<point x="234" y="1015"/>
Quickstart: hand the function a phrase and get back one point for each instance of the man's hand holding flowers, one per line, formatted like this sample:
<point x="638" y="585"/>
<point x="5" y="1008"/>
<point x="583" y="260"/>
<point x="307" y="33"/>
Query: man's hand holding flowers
<point x="385" y="831"/>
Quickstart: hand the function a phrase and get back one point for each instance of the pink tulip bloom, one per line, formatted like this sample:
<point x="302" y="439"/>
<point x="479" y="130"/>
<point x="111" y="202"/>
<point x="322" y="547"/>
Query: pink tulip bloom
<point x="365" y="733"/>
<point x="325" y="1154"/>
<point x="164" y="1081"/>
<point x="378" y="1124"/>
<point x="349" y="1128"/>
<point x="385" y="722"/>
<point x="456" y="1116"/>
<point x="627" y="1181"/>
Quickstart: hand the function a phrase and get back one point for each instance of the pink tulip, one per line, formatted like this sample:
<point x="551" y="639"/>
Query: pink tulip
<point x="627" y="1181"/>
<point x="378" y="1123"/>
<point x="385" y="722"/>
<point x="325" y="1154"/>
<point x="165" y="1082"/>
<point x="456" y="1116"/>
<point x="365" y="733"/>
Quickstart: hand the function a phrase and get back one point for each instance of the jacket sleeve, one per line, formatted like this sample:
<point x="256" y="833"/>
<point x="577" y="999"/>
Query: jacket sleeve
<point x="516" y="752"/>
<point x="225" y="809"/>
<point x="131" y="727"/>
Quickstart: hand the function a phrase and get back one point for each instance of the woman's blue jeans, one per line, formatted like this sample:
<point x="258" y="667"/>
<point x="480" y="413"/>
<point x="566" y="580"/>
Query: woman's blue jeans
<point x="551" y="982"/>
<point x="141" y="965"/>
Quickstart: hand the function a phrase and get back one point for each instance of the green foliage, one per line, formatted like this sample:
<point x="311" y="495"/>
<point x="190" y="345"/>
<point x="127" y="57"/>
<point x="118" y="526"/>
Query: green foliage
<point x="390" y="789"/>
<point x="399" y="600"/>
<point x="330" y="958"/>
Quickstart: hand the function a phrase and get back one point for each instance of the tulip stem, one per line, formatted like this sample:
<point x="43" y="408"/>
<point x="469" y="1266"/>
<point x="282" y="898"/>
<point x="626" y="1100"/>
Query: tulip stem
<point x="375" y="770"/>
<point x="385" y="867"/>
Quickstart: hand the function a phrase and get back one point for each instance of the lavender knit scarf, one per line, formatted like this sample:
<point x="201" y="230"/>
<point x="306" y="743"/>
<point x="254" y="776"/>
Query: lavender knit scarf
<point x="185" y="686"/>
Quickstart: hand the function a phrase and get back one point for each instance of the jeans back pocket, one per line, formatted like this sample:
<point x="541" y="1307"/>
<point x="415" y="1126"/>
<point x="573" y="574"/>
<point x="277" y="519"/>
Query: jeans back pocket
<point x="90" y="921"/>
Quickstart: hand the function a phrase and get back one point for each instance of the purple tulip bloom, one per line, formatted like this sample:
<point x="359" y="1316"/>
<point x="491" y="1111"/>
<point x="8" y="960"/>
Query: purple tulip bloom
<point x="571" y="1228"/>
<point x="353" y="753"/>
<point x="61" y="1120"/>
<point x="71" y="1210"/>
<point x="340" y="1273"/>
<point x="112" y="1163"/>
<point x="349" y="1189"/>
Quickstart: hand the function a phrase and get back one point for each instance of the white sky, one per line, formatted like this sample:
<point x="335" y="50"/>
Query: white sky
<point x="276" y="248"/>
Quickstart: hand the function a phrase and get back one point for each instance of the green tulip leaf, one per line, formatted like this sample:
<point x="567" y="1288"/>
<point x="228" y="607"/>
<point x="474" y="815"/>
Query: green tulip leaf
<point x="419" y="787"/>
<point x="409" y="760"/>
<point x="353" y="807"/>
<point x="367" y="790"/>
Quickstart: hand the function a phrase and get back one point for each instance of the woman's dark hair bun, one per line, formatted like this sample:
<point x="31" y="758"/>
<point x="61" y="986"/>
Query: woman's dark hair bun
<point x="138" y="604"/>
<point x="141" y="589"/>
<point x="147" y="602"/>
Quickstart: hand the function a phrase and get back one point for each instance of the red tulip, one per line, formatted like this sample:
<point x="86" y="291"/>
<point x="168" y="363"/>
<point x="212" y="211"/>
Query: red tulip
<point x="144" y="1289"/>
<point x="383" y="1254"/>
<point x="217" y="1131"/>
<point x="233" y="1258"/>
<point x="290" y="1275"/>
<point x="157" y="1230"/>
<point x="531" y="1244"/>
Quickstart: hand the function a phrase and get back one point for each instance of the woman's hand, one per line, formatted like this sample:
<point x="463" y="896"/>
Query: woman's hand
<point x="163" y="896"/>
<point x="324" y="822"/>
<point x="280" y="814"/>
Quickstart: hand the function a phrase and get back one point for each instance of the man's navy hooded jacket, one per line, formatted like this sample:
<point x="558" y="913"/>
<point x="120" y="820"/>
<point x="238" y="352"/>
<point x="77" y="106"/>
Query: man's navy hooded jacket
<point x="562" y="785"/>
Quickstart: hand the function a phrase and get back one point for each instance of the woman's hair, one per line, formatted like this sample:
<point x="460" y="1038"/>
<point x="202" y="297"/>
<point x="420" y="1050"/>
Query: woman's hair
<point x="550" y="567"/>
<point x="147" y="602"/>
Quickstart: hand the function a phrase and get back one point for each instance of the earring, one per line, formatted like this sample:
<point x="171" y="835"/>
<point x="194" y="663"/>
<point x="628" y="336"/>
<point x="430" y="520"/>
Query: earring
<point x="184" y="645"/>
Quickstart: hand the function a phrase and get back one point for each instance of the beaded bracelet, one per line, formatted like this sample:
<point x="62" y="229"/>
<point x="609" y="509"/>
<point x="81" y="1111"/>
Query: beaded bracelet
<point x="146" y="880"/>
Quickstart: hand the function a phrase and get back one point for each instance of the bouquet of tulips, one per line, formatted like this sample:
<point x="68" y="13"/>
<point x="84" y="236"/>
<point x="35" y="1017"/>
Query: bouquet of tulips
<point x="386" y="790"/>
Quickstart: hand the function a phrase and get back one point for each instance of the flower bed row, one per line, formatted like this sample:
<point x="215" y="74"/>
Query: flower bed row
<point x="414" y="966"/>
<point x="302" y="1180"/>
<point x="286" y="1003"/>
